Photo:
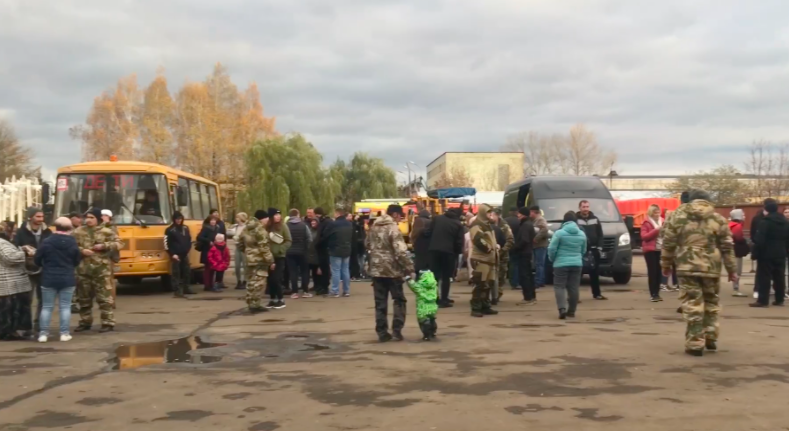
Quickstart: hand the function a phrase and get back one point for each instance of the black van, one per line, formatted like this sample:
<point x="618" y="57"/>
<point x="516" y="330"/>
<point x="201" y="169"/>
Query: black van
<point x="558" y="194"/>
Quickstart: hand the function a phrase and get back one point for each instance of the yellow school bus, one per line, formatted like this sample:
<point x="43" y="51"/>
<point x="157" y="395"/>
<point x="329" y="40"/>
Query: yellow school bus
<point x="142" y="198"/>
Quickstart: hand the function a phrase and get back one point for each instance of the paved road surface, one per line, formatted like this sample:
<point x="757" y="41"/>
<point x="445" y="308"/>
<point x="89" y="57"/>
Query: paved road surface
<point x="316" y="366"/>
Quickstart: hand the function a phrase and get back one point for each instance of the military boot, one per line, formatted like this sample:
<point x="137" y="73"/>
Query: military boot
<point x="477" y="313"/>
<point x="82" y="328"/>
<point x="106" y="328"/>
<point x="489" y="312"/>
<point x="711" y="345"/>
<point x="178" y="293"/>
<point x="693" y="352"/>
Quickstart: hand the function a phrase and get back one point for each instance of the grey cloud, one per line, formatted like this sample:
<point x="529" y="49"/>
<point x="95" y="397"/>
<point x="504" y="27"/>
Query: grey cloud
<point x="672" y="86"/>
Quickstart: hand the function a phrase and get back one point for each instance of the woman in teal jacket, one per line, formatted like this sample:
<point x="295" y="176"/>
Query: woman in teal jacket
<point x="566" y="251"/>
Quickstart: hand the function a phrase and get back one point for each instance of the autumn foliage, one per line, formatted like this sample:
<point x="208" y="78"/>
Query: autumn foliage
<point x="205" y="128"/>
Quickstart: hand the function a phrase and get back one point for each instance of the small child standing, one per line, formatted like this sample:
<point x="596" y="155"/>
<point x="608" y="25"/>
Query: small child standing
<point x="426" y="291"/>
<point x="218" y="261"/>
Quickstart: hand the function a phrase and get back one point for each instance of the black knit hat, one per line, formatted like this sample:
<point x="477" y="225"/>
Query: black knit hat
<point x="524" y="211"/>
<point x="272" y="211"/>
<point x="95" y="212"/>
<point x="261" y="214"/>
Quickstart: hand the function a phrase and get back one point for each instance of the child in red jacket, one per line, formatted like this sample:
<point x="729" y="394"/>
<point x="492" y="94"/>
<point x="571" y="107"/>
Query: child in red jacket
<point x="218" y="262"/>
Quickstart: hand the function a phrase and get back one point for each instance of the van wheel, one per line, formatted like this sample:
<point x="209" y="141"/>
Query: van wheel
<point x="622" y="277"/>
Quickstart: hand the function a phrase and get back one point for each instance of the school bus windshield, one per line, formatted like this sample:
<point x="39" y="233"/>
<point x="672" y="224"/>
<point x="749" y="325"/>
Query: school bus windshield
<point x="131" y="197"/>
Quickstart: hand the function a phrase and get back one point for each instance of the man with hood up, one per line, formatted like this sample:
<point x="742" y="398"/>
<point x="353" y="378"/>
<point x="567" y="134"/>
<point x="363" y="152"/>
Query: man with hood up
<point x="770" y="249"/>
<point x="260" y="260"/>
<point x="697" y="240"/>
<point x="177" y="243"/>
<point x="484" y="256"/>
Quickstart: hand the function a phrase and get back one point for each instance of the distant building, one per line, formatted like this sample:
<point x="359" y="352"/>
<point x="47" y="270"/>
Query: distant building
<point x="483" y="171"/>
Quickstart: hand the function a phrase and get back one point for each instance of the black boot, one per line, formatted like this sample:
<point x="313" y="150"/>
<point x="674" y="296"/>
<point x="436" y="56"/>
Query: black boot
<point x="82" y="328"/>
<point x="178" y="294"/>
<point x="106" y="328"/>
<point x="397" y="335"/>
<point x="711" y="345"/>
<point x="188" y="291"/>
<point x="383" y="338"/>
<point x="477" y="313"/>
<point x="489" y="312"/>
<point x="562" y="314"/>
<point x="693" y="352"/>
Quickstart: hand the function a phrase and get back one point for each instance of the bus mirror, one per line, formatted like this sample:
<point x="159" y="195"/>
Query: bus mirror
<point x="181" y="197"/>
<point x="45" y="193"/>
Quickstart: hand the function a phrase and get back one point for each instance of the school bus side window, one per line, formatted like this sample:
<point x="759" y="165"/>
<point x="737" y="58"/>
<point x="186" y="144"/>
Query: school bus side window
<point x="194" y="201"/>
<point x="212" y="195"/>
<point x="207" y="205"/>
<point x="185" y="210"/>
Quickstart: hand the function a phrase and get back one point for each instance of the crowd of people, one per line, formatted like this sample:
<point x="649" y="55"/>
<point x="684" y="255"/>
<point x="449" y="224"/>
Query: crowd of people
<point x="279" y="256"/>
<point x="77" y="257"/>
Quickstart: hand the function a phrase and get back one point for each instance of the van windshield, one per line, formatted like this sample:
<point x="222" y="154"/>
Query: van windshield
<point x="554" y="209"/>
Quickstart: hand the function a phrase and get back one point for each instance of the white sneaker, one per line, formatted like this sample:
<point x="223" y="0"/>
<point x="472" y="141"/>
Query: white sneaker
<point x="294" y="296"/>
<point x="665" y="288"/>
<point x="42" y="338"/>
<point x="755" y="295"/>
<point x="65" y="337"/>
<point x="306" y="295"/>
<point x="786" y="295"/>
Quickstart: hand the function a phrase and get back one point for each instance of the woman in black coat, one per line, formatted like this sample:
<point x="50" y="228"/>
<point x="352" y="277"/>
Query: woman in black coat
<point x="206" y="238"/>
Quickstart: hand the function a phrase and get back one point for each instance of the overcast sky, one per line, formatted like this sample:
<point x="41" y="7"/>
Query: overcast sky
<point x="673" y="86"/>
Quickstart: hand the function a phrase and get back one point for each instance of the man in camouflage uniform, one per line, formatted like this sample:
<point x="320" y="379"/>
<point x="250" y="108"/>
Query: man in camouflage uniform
<point x="94" y="273"/>
<point x="389" y="263"/>
<point x="484" y="257"/>
<point x="255" y="246"/>
<point x="502" y="269"/>
<point x="697" y="240"/>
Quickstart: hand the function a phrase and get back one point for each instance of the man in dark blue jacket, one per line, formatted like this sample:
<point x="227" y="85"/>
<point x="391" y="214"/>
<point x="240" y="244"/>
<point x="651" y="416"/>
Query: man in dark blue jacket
<point x="178" y="242"/>
<point x="338" y="237"/>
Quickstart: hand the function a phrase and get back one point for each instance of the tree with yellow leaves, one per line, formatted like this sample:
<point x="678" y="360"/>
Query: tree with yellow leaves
<point x="156" y="123"/>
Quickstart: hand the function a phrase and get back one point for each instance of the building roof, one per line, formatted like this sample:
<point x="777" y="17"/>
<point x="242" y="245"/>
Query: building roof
<point x="473" y="152"/>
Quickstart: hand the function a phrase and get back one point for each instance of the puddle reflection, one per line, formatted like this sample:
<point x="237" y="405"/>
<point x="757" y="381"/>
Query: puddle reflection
<point x="164" y="352"/>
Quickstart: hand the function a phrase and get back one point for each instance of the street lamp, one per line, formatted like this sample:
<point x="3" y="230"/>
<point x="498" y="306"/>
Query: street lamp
<point x="410" y="184"/>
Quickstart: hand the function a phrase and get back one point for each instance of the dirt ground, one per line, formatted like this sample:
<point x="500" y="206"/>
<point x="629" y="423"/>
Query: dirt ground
<point x="316" y="365"/>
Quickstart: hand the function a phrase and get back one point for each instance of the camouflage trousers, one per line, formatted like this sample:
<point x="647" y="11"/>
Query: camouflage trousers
<point x="483" y="278"/>
<point x="98" y="288"/>
<point x="700" y="308"/>
<point x="256" y="285"/>
<point x="502" y="270"/>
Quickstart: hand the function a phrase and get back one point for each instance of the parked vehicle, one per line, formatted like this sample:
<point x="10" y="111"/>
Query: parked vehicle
<point x="558" y="194"/>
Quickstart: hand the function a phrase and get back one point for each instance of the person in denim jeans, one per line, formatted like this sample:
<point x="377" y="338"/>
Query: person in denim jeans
<point x="58" y="256"/>
<point x="338" y="240"/>
<point x="541" y="239"/>
<point x="566" y="251"/>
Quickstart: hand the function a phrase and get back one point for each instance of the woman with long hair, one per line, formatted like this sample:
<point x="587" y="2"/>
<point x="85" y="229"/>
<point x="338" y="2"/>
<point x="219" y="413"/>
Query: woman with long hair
<point x="279" y="241"/>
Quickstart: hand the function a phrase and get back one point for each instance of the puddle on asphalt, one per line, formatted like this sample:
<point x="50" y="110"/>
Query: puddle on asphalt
<point x="311" y="347"/>
<point x="164" y="352"/>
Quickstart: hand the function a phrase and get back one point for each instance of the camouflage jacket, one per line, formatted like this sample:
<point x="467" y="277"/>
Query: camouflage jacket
<point x="254" y="243"/>
<point x="698" y="241"/>
<point x="388" y="253"/>
<point x="100" y="261"/>
<point x="483" y="239"/>
<point x="509" y="238"/>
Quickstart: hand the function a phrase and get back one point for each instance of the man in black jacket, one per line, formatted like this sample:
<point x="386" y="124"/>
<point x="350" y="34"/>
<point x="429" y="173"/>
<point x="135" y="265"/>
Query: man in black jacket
<point x="321" y="282"/>
<point x="338" y="240"/>
<point x="524" y="249"/>
<point x="594" y="240"/>
<point x="446" y="243"/>
<point x="30" y="235"/>
<point x="178" y="243"/>
<point x="296" y="255"/>
<point x="770" y="249"/>
<point x="514" y="222"/>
